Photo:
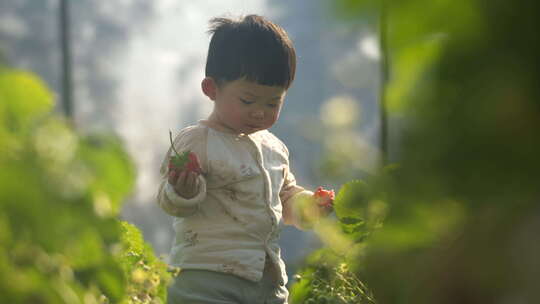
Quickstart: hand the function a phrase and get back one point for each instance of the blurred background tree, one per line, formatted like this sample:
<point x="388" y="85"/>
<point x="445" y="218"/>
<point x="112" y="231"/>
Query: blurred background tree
<point x="462" y="207"/>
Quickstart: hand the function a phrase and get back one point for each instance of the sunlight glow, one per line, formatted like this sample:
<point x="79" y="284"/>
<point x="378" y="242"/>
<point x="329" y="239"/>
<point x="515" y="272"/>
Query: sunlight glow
<point x="369" y="46"/>
<point x="340" y="111"/>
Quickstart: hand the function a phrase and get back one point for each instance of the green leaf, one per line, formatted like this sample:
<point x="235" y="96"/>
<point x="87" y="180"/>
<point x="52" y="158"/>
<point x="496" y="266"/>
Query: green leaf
<point x="412" y="65"/>
<point x="180" y="160"/>
<point x="350" y="220"/>
<point x="55" y="242"/>
<point x="351" y="200"/>
<point x="111" y="167"/>
<point x="23" y="100"/>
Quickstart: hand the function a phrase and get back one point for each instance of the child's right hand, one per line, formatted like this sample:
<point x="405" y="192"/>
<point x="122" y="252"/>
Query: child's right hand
<point x="184" y="182"/>
<point x="184" y="170"/>
<point x="184" y="173"/>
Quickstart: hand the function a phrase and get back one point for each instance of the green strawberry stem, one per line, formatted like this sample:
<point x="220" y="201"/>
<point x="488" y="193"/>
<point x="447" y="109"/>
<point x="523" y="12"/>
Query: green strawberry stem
<point x="178" y="160"/>
<point x="172" y="145"/>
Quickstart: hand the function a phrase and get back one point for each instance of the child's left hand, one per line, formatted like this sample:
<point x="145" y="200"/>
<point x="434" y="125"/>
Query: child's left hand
<point x="324" y="200"/>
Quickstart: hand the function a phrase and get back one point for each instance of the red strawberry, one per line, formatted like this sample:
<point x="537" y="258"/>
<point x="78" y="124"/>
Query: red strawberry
<point x="193" y="163"/>
<point x="185" y="161"/>
<point x="172" y="173"/>
<point x="324" y="198"/>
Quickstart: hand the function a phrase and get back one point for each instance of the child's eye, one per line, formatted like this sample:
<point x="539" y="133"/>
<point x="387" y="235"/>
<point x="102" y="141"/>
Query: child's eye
<point x="246" y="101"/>
<point x="272" y="105"/>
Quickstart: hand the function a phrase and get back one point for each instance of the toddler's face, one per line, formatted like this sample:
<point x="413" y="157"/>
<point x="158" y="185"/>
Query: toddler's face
<point x="247" y="107"/>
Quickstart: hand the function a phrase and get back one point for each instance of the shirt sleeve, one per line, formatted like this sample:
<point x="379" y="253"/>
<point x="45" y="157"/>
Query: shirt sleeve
<point x="189" y="139"/>
<point x="295" y="199"/>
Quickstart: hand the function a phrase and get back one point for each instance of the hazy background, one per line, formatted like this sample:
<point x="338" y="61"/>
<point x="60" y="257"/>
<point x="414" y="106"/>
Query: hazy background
<point x="137" y="67"/>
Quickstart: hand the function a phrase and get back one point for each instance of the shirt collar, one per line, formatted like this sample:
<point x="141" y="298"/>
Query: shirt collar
<point x="221" y="129"/>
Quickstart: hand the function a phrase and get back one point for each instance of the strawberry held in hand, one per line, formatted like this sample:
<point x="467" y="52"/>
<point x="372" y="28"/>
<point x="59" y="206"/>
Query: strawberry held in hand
<point x="312" y="208"/>
<point x="324" y="198"/>
<point x="183" y="161"/>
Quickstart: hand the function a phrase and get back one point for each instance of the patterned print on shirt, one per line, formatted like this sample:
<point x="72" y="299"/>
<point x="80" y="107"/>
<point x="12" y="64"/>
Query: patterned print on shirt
<point x="191" y="238"/>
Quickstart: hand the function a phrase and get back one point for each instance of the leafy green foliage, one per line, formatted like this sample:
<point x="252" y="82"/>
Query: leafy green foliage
<point x="148" y="276"/>
<point x="59" y="237"/>
<point x="327" y="276"/>
<point x="326" y="280"/>
<point x="462" y="210"/>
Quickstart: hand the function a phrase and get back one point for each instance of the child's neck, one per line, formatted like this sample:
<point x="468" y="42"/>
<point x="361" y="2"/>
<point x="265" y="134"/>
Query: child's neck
<point x="214" y="122"/>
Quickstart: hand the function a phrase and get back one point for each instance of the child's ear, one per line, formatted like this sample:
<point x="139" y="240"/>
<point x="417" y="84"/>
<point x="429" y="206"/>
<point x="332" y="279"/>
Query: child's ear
<point x="209" y="87"/>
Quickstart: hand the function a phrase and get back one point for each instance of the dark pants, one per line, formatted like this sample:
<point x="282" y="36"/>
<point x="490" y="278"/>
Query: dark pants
<point x="210" y="287"/>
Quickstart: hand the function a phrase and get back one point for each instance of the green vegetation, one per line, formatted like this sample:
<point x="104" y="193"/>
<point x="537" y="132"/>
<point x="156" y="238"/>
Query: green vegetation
<point x="147" y="276"/>
<point x="60" y="239"/>
<point x="454" y="221"/>
<point x="330" y="274"/>
<point x="462" y="209"/>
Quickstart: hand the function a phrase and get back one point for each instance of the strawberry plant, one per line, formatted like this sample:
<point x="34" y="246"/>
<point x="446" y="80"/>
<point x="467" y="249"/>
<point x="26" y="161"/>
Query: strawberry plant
<point x="328" y="274"/>
<point x="327" y="278"/>
<point x="461" y="214"/>
<point x="60" y="238"/>
<point x="147" y="276"/>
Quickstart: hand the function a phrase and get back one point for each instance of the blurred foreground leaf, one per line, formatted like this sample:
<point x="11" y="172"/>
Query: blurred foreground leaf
<point x="462" y="211"/>
<point x="60" y="241"/>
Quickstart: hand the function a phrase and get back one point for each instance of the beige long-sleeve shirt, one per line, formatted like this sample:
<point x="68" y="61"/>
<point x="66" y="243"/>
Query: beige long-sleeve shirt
<point x="246" y="191"/>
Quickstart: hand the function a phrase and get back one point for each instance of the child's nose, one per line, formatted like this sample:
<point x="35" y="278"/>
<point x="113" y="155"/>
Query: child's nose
<point x="258" y="114"/>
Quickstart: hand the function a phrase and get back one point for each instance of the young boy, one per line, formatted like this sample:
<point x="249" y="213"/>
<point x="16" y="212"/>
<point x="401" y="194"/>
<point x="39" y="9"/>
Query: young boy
<point x="227" y="218"/>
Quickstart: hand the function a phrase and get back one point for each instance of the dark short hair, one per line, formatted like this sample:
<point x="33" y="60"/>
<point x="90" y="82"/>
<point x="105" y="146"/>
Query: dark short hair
<point x="253" y="48"/>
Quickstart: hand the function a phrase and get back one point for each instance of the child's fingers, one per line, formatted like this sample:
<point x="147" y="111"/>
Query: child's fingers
<point x="181" y="181"/>
<point x="192" y="181"/>
<point x="189" y="180"/>
<point x="186" y="183"/>
<point x="327" y="209"/>
<point x="196" y="180"/>
<point x="173" y="176"/>
<point x="186" y="180"/>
